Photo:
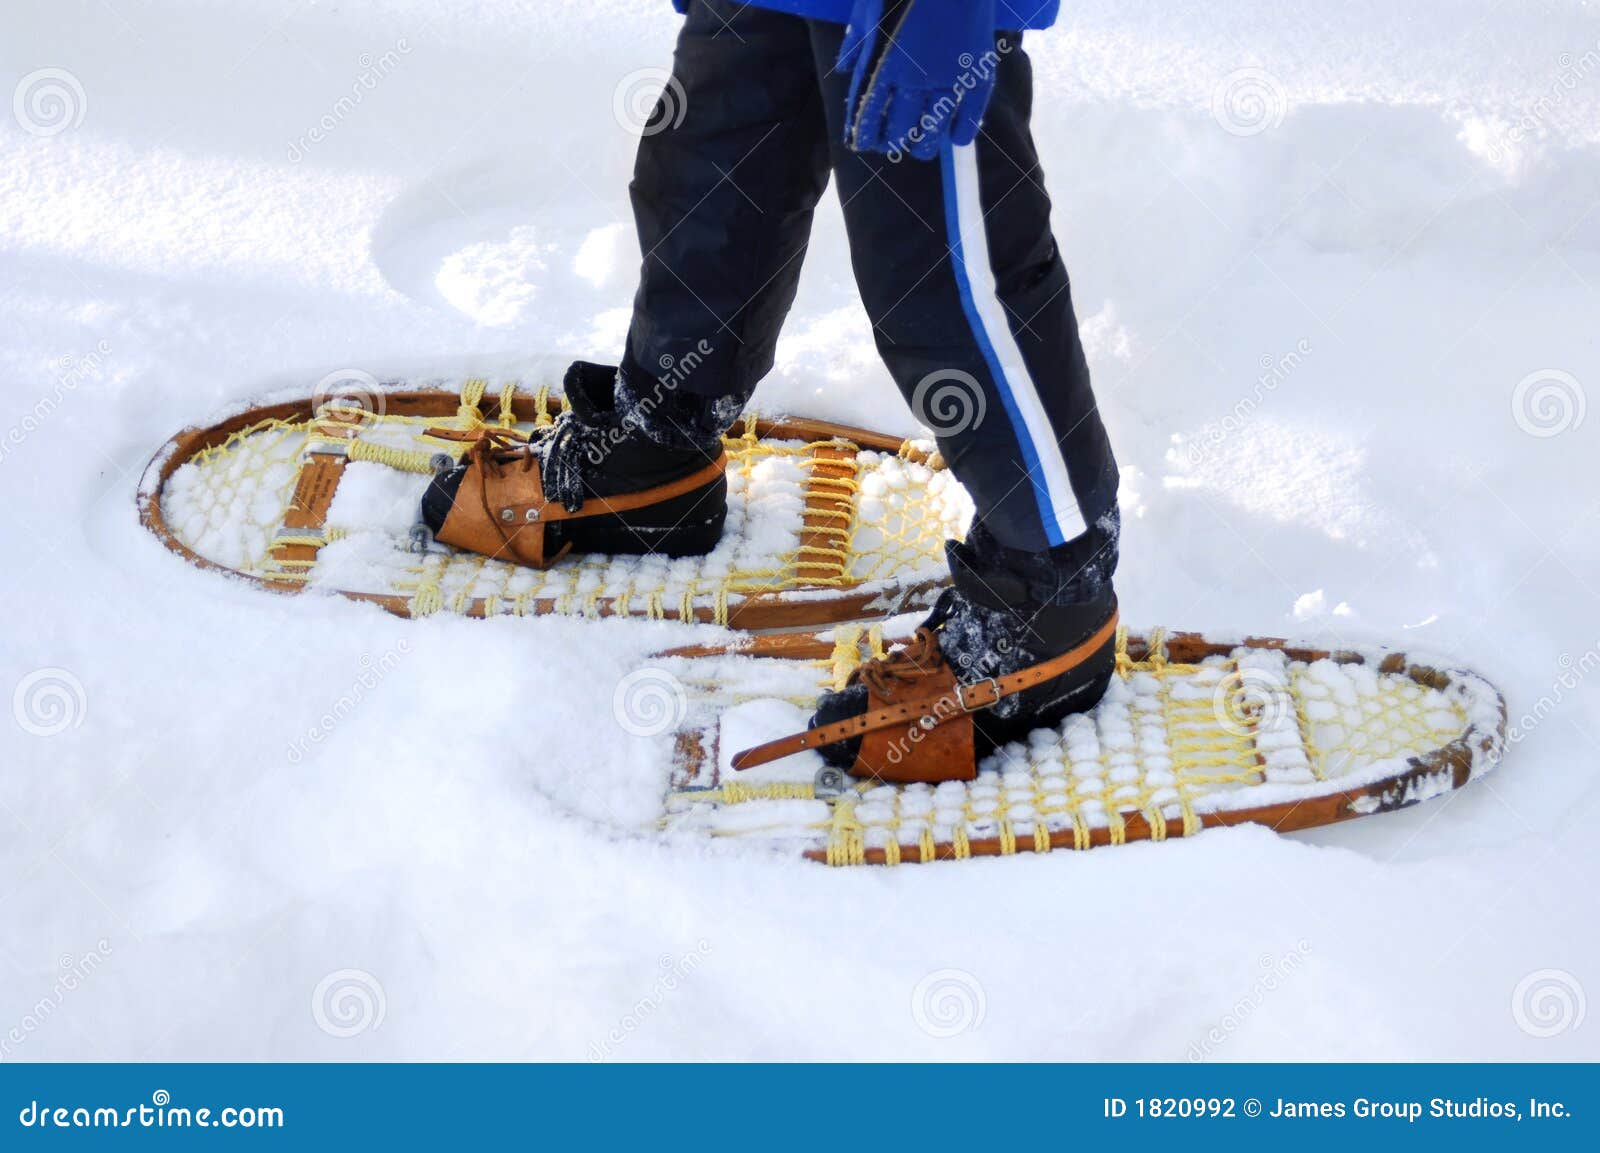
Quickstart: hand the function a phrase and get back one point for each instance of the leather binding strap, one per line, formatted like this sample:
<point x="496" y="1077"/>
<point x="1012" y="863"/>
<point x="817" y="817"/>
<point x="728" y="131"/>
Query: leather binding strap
<point x="506" y="515"/>
<point x="622" y="502"/>
<point x="969" y="698"/>
<point x="593" y="506"/>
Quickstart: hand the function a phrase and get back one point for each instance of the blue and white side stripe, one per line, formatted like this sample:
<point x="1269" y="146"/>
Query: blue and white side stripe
<point x="969" y="253"/>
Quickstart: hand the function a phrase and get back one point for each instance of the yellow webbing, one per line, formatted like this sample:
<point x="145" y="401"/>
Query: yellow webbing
<point x="404" y="459"/>
<point x="469" y="414"/>
<point x="738" y="792"/>
<point x="845" y="843"/>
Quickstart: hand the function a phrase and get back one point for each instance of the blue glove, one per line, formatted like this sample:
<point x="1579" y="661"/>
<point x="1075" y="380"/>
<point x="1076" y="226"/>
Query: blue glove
<point x="919" y="78"/>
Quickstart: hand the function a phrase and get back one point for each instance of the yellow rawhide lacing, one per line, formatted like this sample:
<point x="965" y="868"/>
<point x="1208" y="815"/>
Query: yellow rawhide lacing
<point x="737" y="792"/>
<point x="405" y="459"/>
<point x="877" y="517"/>
<point x="1060" y="795"/>
<point x="469" y="415"/>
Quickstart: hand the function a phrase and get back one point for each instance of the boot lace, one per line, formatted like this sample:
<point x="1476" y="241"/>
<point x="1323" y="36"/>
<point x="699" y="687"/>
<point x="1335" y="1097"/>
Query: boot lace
<point x="559" y="451"/>
<point x="918" y="659"/>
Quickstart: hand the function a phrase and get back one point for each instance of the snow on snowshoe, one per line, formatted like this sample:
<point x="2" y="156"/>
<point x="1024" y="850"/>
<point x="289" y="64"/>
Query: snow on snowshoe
<point x="823" y="522"/>
<point x="1191" y="732"/>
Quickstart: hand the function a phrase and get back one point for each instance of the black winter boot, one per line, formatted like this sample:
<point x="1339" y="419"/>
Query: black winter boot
<point x="592" y="452"/>
<point x="1005" y="612"/>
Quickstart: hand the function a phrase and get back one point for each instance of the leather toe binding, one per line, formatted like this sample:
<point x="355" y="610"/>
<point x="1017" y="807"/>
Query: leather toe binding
<point x="495" y="504"/>
<point x="918" y="724"/>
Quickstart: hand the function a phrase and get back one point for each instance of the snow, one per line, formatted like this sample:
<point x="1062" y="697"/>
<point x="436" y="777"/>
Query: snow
<point x="1343" y="336"/>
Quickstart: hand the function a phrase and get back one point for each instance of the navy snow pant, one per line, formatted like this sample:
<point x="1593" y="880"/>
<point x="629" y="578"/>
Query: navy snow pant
<point x="956" y="265"/>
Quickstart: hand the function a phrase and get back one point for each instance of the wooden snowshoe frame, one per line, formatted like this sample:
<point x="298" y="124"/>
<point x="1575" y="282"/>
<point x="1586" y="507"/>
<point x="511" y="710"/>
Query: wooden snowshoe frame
<point x="1425" y="773"/>
<point x="809" y="587"/>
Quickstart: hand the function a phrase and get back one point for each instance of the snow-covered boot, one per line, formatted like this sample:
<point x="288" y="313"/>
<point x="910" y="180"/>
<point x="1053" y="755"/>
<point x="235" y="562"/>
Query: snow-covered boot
<point x="594" y="482"/>
<point x="993" y="661"/>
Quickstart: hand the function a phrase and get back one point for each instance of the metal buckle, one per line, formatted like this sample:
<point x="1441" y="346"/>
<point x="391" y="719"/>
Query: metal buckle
<point x="961" y="695"/>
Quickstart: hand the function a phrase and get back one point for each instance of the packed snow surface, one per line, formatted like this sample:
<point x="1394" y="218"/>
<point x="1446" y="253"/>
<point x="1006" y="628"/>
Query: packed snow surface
<point x="1337" y="267"/>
